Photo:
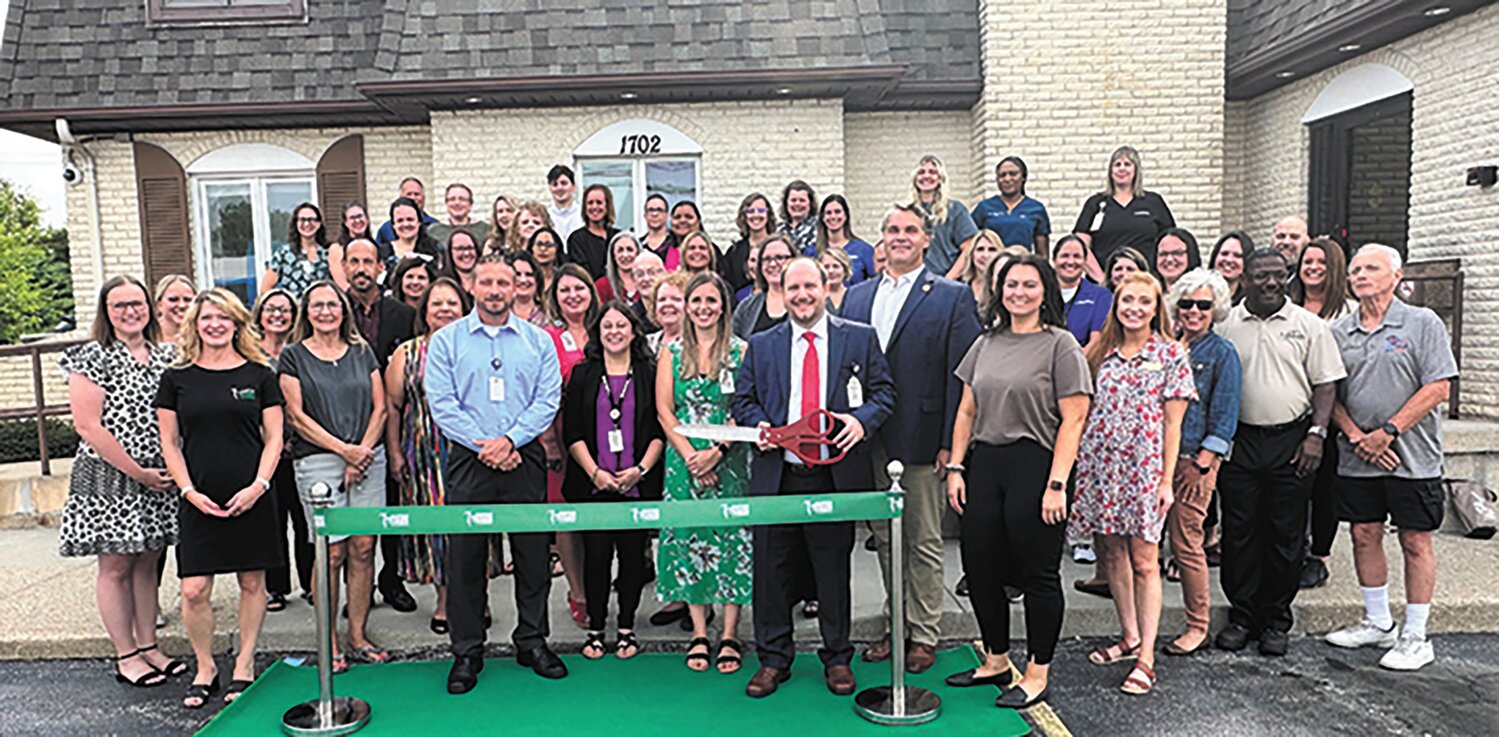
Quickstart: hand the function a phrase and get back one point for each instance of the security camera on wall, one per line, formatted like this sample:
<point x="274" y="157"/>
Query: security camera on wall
<point x="71" y="174"/>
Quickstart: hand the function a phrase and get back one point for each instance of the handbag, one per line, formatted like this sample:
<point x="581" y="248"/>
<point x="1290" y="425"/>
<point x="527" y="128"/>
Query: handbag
<point x="1476" y="507"/>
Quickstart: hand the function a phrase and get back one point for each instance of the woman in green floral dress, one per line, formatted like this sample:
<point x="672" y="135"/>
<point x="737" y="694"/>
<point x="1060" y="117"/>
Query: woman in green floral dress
<point x="694" y="382"/>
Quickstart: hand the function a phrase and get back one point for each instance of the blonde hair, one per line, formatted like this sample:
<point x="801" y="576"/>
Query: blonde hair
<point x="246" y="339"/>
<point x="1125" y="152"/>
<point x="166" y="282"/>
<point x="970" y="272"/>
<point x="841" y="256"/>
<point x="513" y="239"/>
<point x="492" y="241"/>
<point x="937" y="211"/>
<point x="1113" y="331"/>
<point x="677" y="279"/>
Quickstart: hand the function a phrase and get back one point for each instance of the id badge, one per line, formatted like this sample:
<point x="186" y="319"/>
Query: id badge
<point x="569" y="342"/>
<point x="1097" y="221"/>
<point x="616" y="441"/>
<point x="496" y="388"/>
<point x="855" y="393"/>
<point x="726" y="381"/>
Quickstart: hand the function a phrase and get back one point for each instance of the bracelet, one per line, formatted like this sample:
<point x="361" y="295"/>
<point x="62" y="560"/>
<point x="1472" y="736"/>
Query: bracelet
<point x="264" y="484"/>
<point x="958" y="467"/>
<point x="188" y="490"/>
<point x="642" y="469"/>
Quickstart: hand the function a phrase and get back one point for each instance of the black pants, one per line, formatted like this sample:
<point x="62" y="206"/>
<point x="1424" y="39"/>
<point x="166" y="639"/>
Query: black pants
<point x="599" y="553"/>
<point x="472" y="482"/>
<point x="289" y="508"/>
<point x="1324" y="524"/>
<point x="1264" y="525"/>
<point x="783" y="553"/>
<point x="1005" y="543"/>
<point x="390" y="545"/>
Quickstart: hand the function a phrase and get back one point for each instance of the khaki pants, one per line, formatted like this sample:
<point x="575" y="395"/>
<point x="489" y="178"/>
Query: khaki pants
<point x="926" y="497"/>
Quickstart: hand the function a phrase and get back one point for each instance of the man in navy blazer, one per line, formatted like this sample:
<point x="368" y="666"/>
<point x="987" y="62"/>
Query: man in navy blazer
<point x="813" y="361"/>
<point x="925" y="325"/>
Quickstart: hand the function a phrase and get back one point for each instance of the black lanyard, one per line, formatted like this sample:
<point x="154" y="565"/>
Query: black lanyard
<point x="615" y="403"/>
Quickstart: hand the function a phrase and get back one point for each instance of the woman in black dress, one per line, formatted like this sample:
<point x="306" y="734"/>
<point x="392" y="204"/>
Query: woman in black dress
<point x="219" y="410"/>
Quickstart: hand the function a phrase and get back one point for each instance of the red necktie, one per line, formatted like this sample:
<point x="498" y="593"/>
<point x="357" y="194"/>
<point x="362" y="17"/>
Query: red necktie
<point x="811" y="388"/>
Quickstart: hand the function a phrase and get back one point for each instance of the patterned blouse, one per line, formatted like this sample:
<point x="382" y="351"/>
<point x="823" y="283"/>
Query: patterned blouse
<point x="295" y="272"/>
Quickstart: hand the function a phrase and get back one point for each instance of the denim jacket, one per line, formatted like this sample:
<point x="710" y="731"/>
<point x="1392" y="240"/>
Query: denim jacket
<point x="1211" y="420"/>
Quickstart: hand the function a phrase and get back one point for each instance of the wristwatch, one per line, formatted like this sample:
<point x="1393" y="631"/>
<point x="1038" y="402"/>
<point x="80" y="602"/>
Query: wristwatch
<point x="1390" y="429"/>
<point x="1055" y="485"/>
<point x="1201" y="468"/>
<point x="1317" y="430"/>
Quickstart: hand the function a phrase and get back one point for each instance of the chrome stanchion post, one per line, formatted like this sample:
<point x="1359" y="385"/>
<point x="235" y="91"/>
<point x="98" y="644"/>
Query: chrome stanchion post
<point x="327" y="715"/>
<point x="897" y="704"/>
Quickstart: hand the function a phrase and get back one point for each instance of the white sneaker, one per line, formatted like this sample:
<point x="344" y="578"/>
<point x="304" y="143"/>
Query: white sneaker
<point x="1083" y="554"/>
<point x="1409" y="653"/>
<point x="1364" y="634"/>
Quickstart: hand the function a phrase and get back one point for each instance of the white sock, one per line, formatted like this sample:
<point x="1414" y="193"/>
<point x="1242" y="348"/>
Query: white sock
<point x="1377" y="606"/>
<point x="1415" y="620"/>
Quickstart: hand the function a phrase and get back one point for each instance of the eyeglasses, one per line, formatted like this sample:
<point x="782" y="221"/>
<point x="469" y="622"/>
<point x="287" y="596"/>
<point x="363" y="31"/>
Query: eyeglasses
<point x="775" y="259"/>
<point x="1205" y="305"/>
<point x="756" y="210"/>
<point x="277" y="310"/>
<point x="655" y="209"/>
<point x="309" y="221"/>
<point x="324" y="307"/>
<point x="136" y="306"/>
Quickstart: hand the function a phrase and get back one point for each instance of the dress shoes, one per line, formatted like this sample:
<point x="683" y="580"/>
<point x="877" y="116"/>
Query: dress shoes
<point x="398" y="598"/>
<point x="766" y="681"/>
<point x="840" y="680"/>
<point x="879" y="652"/>
<point x="1017" y="699"/>
<point x="541" y="659"/>
<point x="919" y="657"/>
<point x="1233" y="638"/>
<point x="1274" y="643"/>
<point x="465" y="673"/>
<point x="970" y="678"/>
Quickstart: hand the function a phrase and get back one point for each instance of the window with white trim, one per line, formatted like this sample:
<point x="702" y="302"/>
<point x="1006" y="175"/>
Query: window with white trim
<point x="243" y="200"/>
<point x="636" y="159"/>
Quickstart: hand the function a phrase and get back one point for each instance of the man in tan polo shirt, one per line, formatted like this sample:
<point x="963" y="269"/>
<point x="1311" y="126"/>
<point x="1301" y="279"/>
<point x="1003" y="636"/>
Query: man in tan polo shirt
<point x="1291" y="368"/>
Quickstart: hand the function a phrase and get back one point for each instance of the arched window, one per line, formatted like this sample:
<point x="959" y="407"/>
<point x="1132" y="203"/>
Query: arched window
<point x="636" y="159"/>
<point x="1360" y="159"/>
<point x="243" y="196"/>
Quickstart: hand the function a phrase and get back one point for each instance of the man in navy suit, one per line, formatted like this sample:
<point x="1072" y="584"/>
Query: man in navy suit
<point x="925" y="324"/>
<point x="814" y="361"/>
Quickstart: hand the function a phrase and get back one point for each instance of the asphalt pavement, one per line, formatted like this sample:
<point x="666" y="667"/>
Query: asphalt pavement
<point x="1315" y="690"/>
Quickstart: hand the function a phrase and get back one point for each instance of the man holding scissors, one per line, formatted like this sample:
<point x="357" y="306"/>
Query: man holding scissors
<point x="921" y="319"/>
<point x="813" y="362"/>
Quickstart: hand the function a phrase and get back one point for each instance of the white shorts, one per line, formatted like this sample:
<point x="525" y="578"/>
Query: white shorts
<point x="329" y="469"/>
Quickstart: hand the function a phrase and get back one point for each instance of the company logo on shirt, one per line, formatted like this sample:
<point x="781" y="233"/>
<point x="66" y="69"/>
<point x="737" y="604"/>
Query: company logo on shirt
<point x="1396" y="344"/>
<point x="562" y="516"/>
<point x="388" y="520"/>
<point x="246" y="395"/>
<point x="730" y="511"/>
<point x="1293" y="336"/>
<point x="478" y="518"/>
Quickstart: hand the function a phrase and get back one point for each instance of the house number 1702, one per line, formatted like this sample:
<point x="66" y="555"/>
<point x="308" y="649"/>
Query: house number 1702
<point x="639" y="144"/>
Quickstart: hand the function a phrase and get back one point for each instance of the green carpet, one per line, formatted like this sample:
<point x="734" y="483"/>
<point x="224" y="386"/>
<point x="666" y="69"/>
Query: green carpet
<point x="650" y="694"/>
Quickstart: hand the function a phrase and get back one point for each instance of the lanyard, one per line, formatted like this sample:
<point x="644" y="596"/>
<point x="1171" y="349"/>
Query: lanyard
<point x="616" y="402"/>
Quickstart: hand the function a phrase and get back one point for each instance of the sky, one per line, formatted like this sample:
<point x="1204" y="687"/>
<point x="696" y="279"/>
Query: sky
<point x="34" y="166"/>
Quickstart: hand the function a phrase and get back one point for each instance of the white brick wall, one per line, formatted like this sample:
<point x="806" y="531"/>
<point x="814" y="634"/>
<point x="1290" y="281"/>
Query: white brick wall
<point x="747" y="147"/>
<point x="881" y="150"/>
<point x="1066" y="84"/>
<point x="1455" y="70"/>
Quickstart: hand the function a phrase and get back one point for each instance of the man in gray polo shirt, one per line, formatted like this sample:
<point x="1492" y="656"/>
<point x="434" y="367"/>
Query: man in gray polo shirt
<point x="1399" y="361"/>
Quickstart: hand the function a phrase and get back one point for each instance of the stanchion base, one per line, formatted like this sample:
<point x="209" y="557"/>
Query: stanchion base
<point x="877" y="705"/>
<point x="349" y="716"/>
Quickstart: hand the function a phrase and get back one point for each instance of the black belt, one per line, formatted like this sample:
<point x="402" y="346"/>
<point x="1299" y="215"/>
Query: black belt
<point x="1298" y="422"/>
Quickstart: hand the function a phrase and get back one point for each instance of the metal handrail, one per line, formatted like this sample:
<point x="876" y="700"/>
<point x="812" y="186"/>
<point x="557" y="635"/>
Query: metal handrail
<point x="39" y="408"/>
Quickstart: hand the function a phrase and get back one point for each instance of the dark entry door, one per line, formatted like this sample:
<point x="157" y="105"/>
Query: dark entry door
<point x="1361" y="174"/>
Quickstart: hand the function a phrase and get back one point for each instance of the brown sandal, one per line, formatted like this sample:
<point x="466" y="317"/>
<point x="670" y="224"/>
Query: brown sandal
<point x="1115" y="653"/>
<point x="1139" y="681"/>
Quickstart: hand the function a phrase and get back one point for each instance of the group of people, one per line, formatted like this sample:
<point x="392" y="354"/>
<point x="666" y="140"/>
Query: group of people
<point x="1106" y="386"/>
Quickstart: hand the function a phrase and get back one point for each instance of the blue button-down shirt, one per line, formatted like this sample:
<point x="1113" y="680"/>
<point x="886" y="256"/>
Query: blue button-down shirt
<point x="1211" y="420"/>
<point x="463" y="357"/>
<point x="1017" y="227"/>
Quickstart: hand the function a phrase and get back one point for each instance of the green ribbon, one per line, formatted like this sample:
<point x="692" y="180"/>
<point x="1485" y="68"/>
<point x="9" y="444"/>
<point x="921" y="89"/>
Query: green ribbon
<point x="491" y="518"/>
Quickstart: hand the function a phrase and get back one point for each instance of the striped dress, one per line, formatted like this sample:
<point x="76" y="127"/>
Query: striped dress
<point x="422" y="484"/>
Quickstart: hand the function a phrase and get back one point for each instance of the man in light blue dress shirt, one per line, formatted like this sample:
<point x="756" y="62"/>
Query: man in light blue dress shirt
<point x="494" y="385"/>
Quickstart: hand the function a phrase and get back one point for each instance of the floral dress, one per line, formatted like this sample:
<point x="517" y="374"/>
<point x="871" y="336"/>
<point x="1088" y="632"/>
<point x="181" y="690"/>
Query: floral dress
<point x="1119" y="462"/>
<point x="107" y="511"/>
<point x="423" y="557"/>
<point x="295" y="272"/>
<point x="705" y="565"/>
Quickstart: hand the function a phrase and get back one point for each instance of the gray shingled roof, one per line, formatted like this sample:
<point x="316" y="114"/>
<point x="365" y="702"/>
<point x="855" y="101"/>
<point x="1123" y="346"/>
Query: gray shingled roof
<point x="1257" y="24"/>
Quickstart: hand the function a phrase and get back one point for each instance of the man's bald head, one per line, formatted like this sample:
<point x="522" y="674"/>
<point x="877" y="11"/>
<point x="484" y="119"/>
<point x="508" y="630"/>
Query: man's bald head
<point x="1289" y="237"/>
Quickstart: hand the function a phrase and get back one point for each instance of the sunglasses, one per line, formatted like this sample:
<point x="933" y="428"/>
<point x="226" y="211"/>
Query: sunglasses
<point x="1206" y="305"/>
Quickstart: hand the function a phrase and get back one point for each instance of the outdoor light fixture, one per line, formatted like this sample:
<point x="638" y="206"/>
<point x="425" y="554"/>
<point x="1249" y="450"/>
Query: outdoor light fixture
<point x="783" y="91"/>
<point x="628" y="95"/>
<point x="1350" y="47"/>
<point x="1438" y="10"/>
<point x="1285" y="75"/>
<point x="473" y="100"/>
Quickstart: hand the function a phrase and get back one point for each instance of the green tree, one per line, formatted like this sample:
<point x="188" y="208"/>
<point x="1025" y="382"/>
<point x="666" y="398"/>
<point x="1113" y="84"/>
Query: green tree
<point x="35" y="284"/>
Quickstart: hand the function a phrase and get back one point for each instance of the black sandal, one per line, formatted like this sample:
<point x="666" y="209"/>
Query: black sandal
<point x="703" y="656"/>
<point x="595" y="642"/>
<point x="150" y="678"/>
<point x="625" y="642"/>
<point x="201" y="692"/>
<point x="275" y="603"/>
<point x="555" y="561"/>
<point x="440" y="626"/>
<point x="175" y="667"/>
<point x="236" y="687"/>
<point x="733" y="646"/>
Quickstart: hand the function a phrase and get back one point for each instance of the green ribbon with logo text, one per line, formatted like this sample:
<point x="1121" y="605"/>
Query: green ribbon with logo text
<point x="492" y="518"/>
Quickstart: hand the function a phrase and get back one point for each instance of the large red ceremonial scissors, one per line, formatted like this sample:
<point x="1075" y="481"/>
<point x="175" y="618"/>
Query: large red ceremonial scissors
<point x="806" y="438"/>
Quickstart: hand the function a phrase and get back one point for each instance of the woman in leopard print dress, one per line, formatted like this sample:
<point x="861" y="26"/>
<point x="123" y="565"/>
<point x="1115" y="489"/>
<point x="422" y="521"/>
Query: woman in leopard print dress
<point x="121" y="504"/>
